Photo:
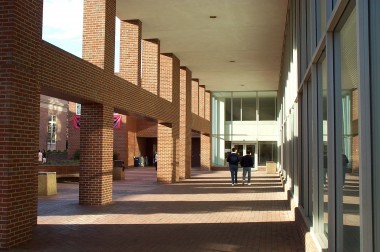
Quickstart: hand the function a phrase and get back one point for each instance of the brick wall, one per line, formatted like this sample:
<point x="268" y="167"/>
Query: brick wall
<point x="20" y="32"/>
<point x="205" y="152"/>
<point x="146" y="128"/>
<point x="184" y="145"/>
<point x="202" y="101"/>
<point x="195" y="96"/>
<point x="120" y="140"/>
<point x="130" y="51"/>
<point x="99" y="33"/>
<point x="131" y="139"/>
<point x="150" y="65"/>
<point x="169" y="67"/>
<point x="304" y="232"/>
<point x="207" y="105"/>
<point x="95" y="182"/>
<point x="165" y="150"/>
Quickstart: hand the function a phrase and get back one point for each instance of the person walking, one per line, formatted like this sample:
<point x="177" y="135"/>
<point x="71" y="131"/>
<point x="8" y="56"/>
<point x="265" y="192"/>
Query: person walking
<point x="247" y="163"/>
<point x="233" y="160"/>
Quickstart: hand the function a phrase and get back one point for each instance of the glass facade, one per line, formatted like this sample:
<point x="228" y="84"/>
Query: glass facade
<point x="330" y="41"/>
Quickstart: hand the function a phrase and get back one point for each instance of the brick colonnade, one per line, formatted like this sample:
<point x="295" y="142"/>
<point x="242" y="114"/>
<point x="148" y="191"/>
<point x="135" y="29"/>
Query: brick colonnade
<point x="20" y="43"/>
<point x="28" y="62"/>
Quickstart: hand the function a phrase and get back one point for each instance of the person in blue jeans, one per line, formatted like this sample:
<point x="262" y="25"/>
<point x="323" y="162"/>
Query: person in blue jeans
<point x="233" y="160"/>
<point x="247" y="163"/>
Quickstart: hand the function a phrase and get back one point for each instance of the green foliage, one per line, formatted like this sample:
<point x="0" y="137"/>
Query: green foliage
<point x="76" y="155"/>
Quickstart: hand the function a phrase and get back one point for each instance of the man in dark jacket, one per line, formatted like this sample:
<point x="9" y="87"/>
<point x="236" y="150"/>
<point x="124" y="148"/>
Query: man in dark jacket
<point x="233" y="160"/>
<point x="247" y="163"/>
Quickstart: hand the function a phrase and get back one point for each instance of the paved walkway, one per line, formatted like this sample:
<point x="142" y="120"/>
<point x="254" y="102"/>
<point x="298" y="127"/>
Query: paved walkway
<point x="204" y="213"/>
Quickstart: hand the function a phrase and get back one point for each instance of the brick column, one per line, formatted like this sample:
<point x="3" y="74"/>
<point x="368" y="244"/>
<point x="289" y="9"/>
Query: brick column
<point x="166" y="154"/>
<point x="184" y="146"/>
<point x="150" y="65"/>
<point x="96" y="146"/>
<point x="195" y="96"/>
<point x="169" y="75"/>
<point x="20" y="32"/>
<point x="130" y="51"/>
<point x="99" y="33"/>
<point x="205" y="152"/>
<point x="202" y="101"/>
<point x="207" y="105"/>
<point x="131" y="139"/>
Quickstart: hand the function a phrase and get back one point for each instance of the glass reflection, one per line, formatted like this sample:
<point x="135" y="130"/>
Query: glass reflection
<point x="350" y="136"/>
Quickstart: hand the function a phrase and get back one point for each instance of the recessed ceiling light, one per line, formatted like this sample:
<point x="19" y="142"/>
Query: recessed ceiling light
<point x="242" y="85"/>
<point x="232" y="61"/>
<point x="212" y="16"/>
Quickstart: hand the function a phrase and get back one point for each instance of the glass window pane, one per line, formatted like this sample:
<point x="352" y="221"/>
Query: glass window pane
<point x="236" y="108"/>
<point x="267" y="152"/>
<point x="267" y="106"/>
<point x="227" y="109"/>
<point x="323" y="184"/>
<point x="249" y="109"/>
<point x="349" y="167"/>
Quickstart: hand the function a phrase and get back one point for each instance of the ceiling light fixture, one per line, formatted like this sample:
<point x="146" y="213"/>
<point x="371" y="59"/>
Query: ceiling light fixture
<point x="232" y="61"/>
<point x="212" y="16"/>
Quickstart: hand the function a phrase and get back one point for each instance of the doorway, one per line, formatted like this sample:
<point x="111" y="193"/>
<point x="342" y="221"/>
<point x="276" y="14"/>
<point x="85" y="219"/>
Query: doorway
<point x="242" y="149"/>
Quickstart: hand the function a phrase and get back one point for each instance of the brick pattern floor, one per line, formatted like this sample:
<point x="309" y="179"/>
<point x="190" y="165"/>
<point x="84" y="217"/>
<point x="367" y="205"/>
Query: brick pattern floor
<point x="204" y="213"/>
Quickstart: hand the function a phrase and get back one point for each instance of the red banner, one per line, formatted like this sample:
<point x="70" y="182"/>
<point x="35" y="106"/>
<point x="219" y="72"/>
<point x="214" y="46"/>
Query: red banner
<point x="116" y="121"/>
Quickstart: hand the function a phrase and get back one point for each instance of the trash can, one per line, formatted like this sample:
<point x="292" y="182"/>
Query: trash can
<point x="136" y="162"/>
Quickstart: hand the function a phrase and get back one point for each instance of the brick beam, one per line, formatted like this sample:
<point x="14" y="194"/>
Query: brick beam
<point x="96" y="146"/>
<point x="99" y="33"/>
<point x="20" y="32"/>
<point x="150" y="65"/>
<point x="195" y="96"/>
<point x="130" y="51"/>
<point x="184" y="145"/>
<point x="205" y="152"/>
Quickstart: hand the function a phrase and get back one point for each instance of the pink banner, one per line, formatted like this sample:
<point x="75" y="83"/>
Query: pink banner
<point x="116" y="121"/>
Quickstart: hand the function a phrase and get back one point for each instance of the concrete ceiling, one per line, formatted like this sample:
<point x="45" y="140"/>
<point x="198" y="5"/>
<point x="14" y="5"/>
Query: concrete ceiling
<point x="249" y="32"/>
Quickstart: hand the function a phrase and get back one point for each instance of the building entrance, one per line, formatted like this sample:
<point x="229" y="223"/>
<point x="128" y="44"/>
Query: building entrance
<point x="242" y="149"/>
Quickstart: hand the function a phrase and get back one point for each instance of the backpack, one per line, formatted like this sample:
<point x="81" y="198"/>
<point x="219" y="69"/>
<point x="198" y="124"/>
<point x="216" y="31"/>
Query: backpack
<point x="234" y="159"/>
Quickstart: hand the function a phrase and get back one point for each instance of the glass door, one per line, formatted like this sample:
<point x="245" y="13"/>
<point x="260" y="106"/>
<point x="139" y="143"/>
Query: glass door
<point x="242" y="149"/>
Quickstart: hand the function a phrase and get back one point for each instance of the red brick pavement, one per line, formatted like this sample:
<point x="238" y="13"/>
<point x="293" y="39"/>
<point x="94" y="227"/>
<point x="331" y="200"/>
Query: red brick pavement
<point x="204" y="213"/>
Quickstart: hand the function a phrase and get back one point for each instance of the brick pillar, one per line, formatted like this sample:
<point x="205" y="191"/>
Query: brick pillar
<point x="96" y="145"/>
<point x="166" y="155"/>
<point x="195" y="96"/>
<point x="99" y="33"/>
<point x="207" y="105"/>
<point x="130" y="51"/>
<point x="169" y="75"/>
<point x="184" y="146"/>
<point x="205" y="152"/>
<point x="131" y="138"/>
<point x="202" y="101"/>
<point x="20" y="32"/>
<point x="150" y="65"/>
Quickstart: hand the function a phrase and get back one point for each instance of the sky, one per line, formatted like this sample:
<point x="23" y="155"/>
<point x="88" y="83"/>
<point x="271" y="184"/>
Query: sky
<point x="63" y="26"/>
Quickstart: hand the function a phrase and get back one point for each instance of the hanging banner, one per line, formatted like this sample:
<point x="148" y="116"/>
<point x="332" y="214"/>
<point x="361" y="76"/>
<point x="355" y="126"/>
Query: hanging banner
<point x="116" y="121"/>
